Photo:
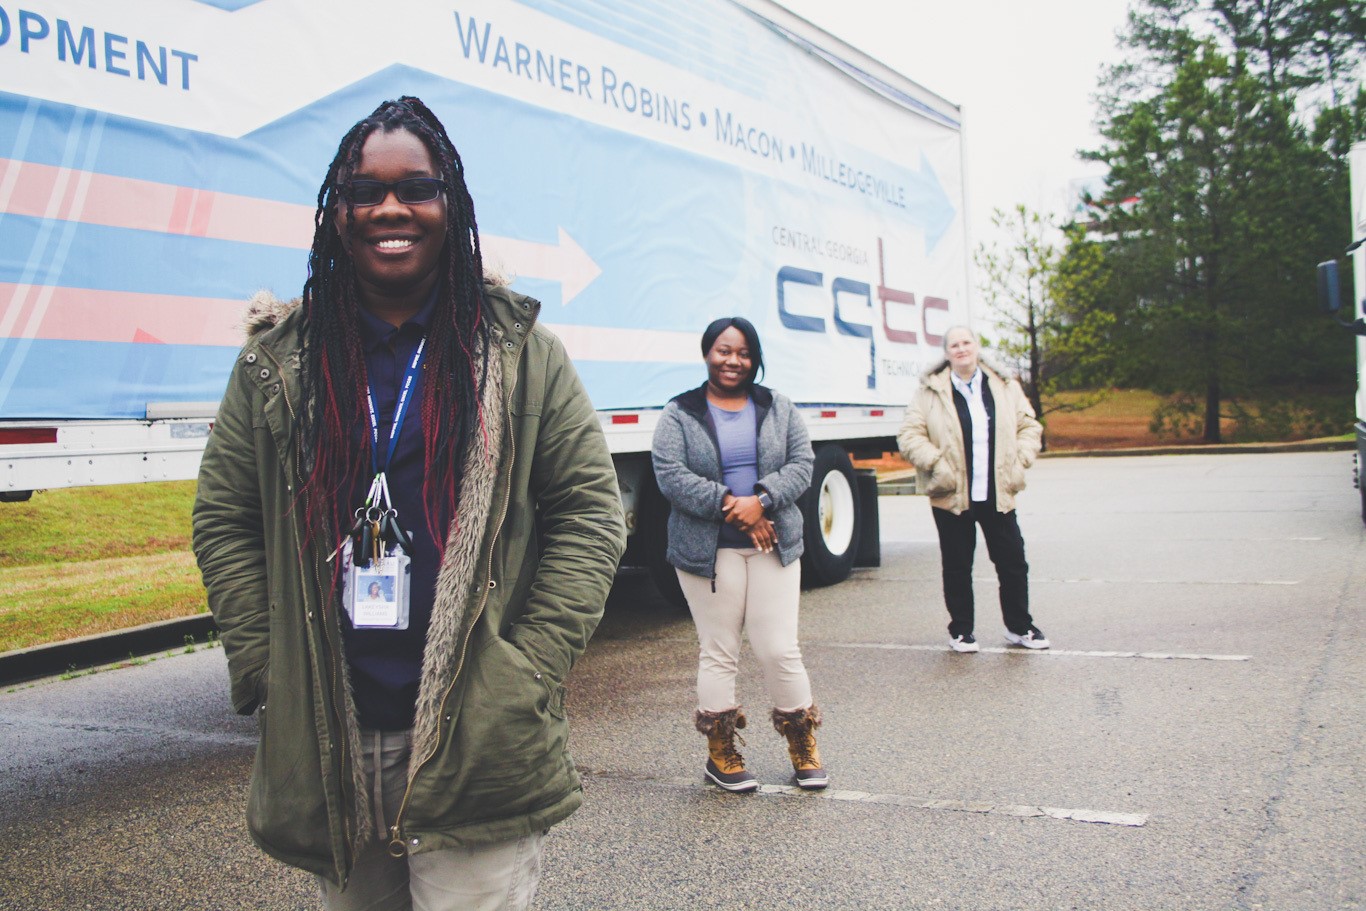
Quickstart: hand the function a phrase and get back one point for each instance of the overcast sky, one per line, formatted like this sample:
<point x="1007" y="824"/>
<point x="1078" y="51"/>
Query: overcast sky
<point x="1024" y="72"/>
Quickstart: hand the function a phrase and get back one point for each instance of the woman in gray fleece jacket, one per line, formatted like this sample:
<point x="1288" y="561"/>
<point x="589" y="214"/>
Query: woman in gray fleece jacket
<point x="732" y="457"/>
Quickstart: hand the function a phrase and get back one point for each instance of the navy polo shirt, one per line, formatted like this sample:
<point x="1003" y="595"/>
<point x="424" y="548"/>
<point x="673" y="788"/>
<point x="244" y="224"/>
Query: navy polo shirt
<point x="386" y="665"/>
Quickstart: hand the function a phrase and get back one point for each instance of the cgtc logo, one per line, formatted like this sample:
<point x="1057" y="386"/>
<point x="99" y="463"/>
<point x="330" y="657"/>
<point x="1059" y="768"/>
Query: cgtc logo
<point x="793" y="275"/>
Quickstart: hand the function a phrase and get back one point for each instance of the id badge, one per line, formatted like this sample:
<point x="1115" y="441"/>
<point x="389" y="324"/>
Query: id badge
<point x="376" y="596"/>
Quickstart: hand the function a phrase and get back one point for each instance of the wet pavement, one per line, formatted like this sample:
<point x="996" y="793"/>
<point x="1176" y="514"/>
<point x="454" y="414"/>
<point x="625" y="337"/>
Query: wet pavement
<point x="1191" y="741"/>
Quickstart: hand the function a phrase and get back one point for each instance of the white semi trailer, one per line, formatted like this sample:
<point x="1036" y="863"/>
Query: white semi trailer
<point x="641" y="167"/>
<point x="1331" y="299"/>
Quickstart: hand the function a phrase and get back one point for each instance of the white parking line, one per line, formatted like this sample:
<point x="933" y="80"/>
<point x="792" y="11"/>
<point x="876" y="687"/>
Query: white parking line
<point x="1271" y="539"/>
<point x="1162" y="581"/>
<point x="985" y="578"/>
<point x="1102" y="817"/>
<point x="1071" y="653"/>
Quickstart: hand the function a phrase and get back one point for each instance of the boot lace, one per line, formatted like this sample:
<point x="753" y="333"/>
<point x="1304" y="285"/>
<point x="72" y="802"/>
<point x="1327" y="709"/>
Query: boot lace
<point x="728" y="751"/>
<point x="802" y="743"/>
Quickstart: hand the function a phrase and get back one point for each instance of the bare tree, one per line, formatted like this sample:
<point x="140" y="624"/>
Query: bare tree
<point x="1043" y="335"/>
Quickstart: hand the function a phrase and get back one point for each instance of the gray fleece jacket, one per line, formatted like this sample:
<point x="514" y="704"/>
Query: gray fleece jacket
<point x="687" y="466"/>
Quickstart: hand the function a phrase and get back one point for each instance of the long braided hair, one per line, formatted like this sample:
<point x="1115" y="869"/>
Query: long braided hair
<point x="333" y="360"/>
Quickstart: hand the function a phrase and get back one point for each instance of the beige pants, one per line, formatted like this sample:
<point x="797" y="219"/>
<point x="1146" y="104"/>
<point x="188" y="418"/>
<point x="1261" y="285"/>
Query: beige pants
<point x="496" y="877"/>
<point x="757" y="595"/>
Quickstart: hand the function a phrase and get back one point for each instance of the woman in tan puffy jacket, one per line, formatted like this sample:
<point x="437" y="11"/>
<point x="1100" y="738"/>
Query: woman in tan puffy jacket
<point x="971" y="433"/>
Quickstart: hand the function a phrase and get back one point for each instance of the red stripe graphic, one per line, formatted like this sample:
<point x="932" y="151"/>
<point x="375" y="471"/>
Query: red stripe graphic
<point x="81" y="315"/>
<point x="45" y="191"/>
<point x="78" y="314"/>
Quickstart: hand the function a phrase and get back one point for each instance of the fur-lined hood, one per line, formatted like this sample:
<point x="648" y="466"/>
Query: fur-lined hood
<point x="266" y="311"/>
<point x="937" y="377"/>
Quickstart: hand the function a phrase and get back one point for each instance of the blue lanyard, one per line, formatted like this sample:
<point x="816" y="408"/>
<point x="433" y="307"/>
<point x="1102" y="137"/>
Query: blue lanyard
<point x="400" y="410"/>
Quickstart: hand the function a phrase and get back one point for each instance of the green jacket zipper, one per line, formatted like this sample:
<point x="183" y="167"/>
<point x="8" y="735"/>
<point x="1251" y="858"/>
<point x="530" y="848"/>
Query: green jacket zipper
<point x="397" y="847"/>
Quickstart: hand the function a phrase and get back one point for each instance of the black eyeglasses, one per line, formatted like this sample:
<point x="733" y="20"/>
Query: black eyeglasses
<point x="410" y="191"/>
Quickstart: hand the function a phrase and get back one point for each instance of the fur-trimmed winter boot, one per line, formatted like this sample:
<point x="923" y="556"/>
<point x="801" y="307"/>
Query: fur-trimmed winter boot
<point x="799" y="727"/>
<point x="725" y="765"/>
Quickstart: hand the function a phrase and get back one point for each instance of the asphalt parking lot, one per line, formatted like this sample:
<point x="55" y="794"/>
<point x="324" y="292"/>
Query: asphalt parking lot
<point x="1192" y="740"/>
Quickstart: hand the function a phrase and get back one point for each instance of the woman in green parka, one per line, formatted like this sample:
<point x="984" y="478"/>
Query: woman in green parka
<point x="413" y="752"/>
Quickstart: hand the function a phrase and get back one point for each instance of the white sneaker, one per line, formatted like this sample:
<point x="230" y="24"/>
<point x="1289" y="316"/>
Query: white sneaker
<point x="967" y="643"/>
<point x="1034" y="638"/>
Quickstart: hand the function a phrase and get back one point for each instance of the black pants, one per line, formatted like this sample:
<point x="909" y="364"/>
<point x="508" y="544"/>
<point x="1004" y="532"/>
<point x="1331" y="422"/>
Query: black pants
<point x="1005" y="546"/>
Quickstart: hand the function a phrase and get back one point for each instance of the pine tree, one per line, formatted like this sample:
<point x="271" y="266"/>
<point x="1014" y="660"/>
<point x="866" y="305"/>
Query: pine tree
<point x="1220" y="137"/>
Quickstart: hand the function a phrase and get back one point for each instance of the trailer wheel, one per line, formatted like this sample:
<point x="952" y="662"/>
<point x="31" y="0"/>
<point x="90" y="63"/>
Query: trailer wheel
<point x="654" y="529"/>
<point x="830" y="510"/>
<point x="1358" y="467"/>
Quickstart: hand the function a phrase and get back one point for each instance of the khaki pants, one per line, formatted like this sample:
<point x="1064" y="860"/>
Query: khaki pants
<point x="757" y="595"/>
<point x="496" y="877"/>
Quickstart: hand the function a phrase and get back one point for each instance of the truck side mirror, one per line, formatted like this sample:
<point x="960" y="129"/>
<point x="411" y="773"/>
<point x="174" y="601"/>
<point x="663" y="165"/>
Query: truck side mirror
<point x="1330" y="287"/>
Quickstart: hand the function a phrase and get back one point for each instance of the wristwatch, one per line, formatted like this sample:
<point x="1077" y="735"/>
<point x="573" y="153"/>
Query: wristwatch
<point x="765" y="500"/>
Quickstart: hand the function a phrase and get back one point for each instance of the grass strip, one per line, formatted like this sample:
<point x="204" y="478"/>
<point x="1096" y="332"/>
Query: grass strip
<point x="54" y="602"/>
<point x="96" y="523"/>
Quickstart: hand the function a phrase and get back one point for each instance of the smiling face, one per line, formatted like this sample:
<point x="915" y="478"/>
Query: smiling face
<point x="961" y="348"/>
<point x="729" y="366"/>
<point x="396" y="247"/>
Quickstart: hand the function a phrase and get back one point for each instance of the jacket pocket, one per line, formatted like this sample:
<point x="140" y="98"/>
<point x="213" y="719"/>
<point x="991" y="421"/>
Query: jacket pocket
<point x="286" y="808"/>
<point x="513" y="724"/>
<point x="261" y="687"/>
<point x="1014" y="477"/>
<point x="943" y="477"/>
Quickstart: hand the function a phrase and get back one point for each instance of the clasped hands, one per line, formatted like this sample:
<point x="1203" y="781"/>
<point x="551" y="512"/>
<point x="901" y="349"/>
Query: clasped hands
<point x="747" y="514"/>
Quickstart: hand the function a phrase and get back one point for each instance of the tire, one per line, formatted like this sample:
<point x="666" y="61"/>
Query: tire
<point x="831" y="520"/>
<point x="1359" y="468"/>
<point x="654" y="529"/>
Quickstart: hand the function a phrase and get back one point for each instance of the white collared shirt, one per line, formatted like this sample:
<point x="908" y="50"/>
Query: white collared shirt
<point x="981" y="431"/>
